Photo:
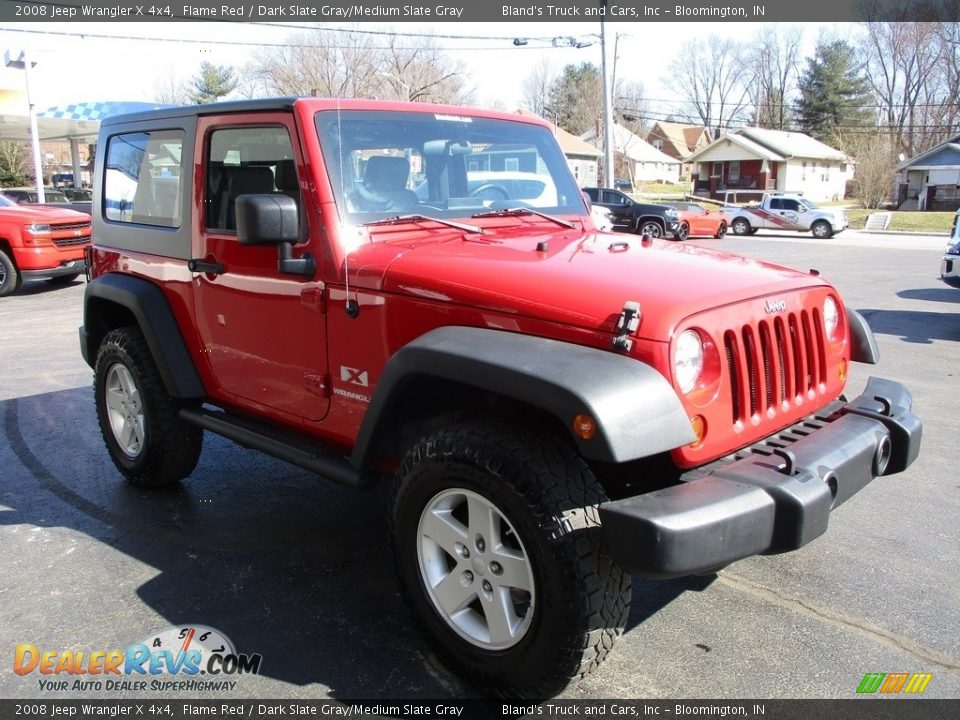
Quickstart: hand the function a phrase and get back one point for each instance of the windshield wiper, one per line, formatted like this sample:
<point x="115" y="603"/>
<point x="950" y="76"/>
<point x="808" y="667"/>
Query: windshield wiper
<point x="398" y="219"/>
<point x="513" y="212"/>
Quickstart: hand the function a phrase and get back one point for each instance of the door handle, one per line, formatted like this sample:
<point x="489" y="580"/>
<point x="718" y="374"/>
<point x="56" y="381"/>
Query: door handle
<point x="205" y="266"/>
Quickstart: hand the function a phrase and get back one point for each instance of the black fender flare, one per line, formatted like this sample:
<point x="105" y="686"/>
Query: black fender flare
<point x="154" y="316"/>
<point x="863" y="345"/>
<point x="656" y="218"/>
<point x="636" y="410"/>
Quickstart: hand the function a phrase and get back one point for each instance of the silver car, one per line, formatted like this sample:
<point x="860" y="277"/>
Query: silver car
<point x="950" y="264"/>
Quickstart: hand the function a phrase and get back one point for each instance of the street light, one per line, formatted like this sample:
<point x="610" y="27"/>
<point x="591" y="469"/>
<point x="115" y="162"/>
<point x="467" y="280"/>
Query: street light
<point x="24" y="63"/>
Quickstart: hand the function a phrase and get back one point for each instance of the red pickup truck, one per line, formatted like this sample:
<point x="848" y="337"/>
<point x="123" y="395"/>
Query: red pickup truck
<point x="553" y="407"/>
<point x="40" y="242"/>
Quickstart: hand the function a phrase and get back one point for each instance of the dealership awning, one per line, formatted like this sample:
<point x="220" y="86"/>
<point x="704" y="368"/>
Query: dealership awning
<point x="77" y="121"/>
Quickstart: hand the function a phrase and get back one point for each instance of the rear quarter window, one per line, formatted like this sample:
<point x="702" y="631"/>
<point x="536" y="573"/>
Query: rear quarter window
<point x="142" y="176"/>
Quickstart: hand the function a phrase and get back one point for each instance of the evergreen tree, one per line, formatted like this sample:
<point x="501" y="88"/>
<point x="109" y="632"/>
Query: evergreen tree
<point x="212" y="83"/>
<point x="834" y="97"/>
<point x="576" y="98"/>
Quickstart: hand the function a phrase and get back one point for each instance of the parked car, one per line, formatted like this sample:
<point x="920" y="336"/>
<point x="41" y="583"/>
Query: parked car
<point x="40" y="242"/>
<point x="624" y="184"/>
<point x="28" y="196"/>
<point x="697" y="221"/>
<point x="950" y="264"/>
<point x="630" y="215"/>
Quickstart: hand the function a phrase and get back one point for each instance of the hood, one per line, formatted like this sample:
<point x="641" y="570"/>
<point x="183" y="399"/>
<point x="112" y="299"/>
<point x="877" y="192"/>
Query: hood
<point x="42" y="214"/>
<point x="583" y="278"/>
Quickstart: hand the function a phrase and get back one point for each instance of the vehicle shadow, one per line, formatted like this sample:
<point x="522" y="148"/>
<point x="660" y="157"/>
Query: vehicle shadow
<point x="42" y="287"/>
<point x="941" y="294"/>
<point x="914" y="326"/>
<point x="283" y="563"/>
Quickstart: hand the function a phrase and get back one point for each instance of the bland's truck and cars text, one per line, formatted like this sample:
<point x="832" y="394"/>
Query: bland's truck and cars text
<point x="555" y="408"/>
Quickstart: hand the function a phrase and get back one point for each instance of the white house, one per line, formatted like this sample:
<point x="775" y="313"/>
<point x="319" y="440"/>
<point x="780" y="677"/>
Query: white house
<point x="761" y="159"/>
<point x="644" y="162"/>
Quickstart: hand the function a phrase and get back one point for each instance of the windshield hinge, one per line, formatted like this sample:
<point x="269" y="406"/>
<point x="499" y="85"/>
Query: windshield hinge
<point x="627" y="324"/>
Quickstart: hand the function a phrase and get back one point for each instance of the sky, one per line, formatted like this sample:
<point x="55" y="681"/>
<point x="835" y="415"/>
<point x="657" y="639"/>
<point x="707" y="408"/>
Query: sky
<point x="83" y="68"/>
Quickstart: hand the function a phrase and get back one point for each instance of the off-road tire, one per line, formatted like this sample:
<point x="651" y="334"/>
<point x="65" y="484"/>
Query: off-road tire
<point x="741" y="226"/>
<point x="549" y="496"/>
<point x="170" y="447"/>
<point x="10" y="278"/>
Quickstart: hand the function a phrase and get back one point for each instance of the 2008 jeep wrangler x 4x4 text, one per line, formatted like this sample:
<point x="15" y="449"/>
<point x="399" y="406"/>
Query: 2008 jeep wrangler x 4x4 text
<point x="557" y="408"/>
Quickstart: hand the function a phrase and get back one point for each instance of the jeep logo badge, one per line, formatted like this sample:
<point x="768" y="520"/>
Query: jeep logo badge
<point x="775" y="306"/>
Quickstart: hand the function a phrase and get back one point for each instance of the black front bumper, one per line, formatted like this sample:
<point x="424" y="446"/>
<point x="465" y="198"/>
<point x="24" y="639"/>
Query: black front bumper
<point x="775" y="498"/>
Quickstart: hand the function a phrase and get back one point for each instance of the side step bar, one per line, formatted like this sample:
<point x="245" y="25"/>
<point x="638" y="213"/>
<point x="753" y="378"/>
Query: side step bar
<point x="302" y="454"/>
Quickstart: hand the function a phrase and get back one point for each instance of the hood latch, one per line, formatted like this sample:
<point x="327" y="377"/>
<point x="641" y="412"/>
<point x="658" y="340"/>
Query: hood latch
<point x="627" y="324"/>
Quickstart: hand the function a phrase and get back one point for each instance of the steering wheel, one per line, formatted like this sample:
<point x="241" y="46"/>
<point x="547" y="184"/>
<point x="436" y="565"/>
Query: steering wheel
<point x="499" y="189"/>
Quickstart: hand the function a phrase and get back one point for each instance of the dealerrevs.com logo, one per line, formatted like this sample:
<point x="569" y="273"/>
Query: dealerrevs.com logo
<point x="192" y="658"/>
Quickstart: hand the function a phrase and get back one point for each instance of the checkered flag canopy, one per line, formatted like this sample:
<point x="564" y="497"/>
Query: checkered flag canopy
<point x="96" y="110"/>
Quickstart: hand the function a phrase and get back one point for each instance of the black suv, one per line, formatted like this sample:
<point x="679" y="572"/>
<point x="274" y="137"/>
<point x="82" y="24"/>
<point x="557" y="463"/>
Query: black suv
<point x="632" y="216"/>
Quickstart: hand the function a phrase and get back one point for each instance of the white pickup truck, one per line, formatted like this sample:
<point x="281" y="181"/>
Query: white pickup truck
<point x="784" y="211"/>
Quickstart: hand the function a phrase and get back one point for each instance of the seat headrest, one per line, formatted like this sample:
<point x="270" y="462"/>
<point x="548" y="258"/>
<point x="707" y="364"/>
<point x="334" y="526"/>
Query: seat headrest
<point x="385" y="173"/>
<point x="285" y="177"/>
<point x="251" y="180"/>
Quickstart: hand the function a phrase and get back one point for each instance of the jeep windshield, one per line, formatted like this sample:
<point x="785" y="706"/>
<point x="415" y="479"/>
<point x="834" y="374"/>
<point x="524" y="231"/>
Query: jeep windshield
<point x="388" y="164"/>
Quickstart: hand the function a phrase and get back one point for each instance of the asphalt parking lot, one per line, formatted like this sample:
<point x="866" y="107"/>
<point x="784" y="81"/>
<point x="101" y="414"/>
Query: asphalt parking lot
<point x="297" y="569"/>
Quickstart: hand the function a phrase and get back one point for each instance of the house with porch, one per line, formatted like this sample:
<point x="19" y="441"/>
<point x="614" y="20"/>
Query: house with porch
<point x="761" y="159"/>
<point x="931" y="179"/>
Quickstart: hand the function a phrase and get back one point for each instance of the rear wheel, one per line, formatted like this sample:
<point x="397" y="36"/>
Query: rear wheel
<point x="140" y="423"/>
<point x="10" y="279"/>
<point x="500" y="553"/>
<point x="683" y="231"/>
<point x="741" y="226"/>
<point x="721" y="231"/>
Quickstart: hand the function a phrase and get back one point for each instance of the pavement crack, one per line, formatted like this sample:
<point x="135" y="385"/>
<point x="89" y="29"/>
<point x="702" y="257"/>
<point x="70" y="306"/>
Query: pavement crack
<point x="858" y="627"/>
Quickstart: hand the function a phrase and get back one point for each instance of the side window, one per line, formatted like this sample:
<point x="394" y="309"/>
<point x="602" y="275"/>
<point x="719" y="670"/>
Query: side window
<point x="246" y="161"/>
<point x="142" y="178"/>
<point x="593" y="194"/>
<point x="791" y="205"/>
<point x="776" y="204"/>
<point x="613" y="198"/>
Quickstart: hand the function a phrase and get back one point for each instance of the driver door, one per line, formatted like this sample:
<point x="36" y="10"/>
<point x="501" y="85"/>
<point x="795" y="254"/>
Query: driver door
<point x="263" y="331"/>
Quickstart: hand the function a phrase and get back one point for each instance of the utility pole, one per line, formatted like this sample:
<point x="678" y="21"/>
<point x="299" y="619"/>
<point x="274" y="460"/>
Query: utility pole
<point x="608" y="169"/>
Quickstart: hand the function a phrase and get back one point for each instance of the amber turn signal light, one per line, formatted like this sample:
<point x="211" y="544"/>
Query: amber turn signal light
<point x="584" y="426"/>
<point x="699" y="425"/>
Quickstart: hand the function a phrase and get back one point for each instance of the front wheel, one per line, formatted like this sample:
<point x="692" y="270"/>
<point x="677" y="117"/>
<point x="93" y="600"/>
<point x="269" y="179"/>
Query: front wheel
<point x="649" y="227"/>
<point x="500" y="553"/>
<point x="140" y="423"/>
<point x="10" y="279"/>
<point x="740" y="226"/>
<point x="721" y="231"/>
<point x="821" y="229"/>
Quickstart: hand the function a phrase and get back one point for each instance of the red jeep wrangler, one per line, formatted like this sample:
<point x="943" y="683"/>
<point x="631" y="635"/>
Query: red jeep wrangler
<point x="40" y="242"/>
<point x="347" y="285"/>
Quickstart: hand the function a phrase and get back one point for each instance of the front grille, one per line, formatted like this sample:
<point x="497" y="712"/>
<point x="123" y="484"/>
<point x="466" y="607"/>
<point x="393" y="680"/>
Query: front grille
<point x="774" y="361"/>
<point x="56" y="227"/>
<point x="71" y="242"/>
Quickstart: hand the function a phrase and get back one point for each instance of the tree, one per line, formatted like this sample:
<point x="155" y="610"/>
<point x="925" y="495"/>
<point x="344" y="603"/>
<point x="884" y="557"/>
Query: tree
<point x="324" y="63"/>
<point x="168" y="89"/>
<point x="212" y="83"/>
<point x="709" y="74"/>
<point x="576" y="98"/>
<point x="774" y="58"/>
<point x="834" y="97"/>
<point x="874" y="156"/>
<point x="536" y="89"/>
<point x="14" y="164"/>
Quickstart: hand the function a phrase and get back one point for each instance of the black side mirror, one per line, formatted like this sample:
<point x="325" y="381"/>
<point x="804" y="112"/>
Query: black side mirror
<point x="273" y="220"/>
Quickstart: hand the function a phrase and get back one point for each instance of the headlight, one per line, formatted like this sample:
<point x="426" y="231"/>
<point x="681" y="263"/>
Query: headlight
<point x="688" y="360"/>
<point x="670" y="212"/>
<point x="831" y="317"/>
<point x="38" y="228"/>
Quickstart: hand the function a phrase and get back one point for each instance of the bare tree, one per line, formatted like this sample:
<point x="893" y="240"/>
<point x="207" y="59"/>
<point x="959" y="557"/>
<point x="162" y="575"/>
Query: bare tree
<point x="536" y="89"/>
<point x="709" y="73"/>
<point x="900" y="60"/>
<point x="875" y="158"/>
<point x="169" y="89"/>
<point x="775" y="58"/>
<point x="333" y="64"/>
<point x="630" y="107"/>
